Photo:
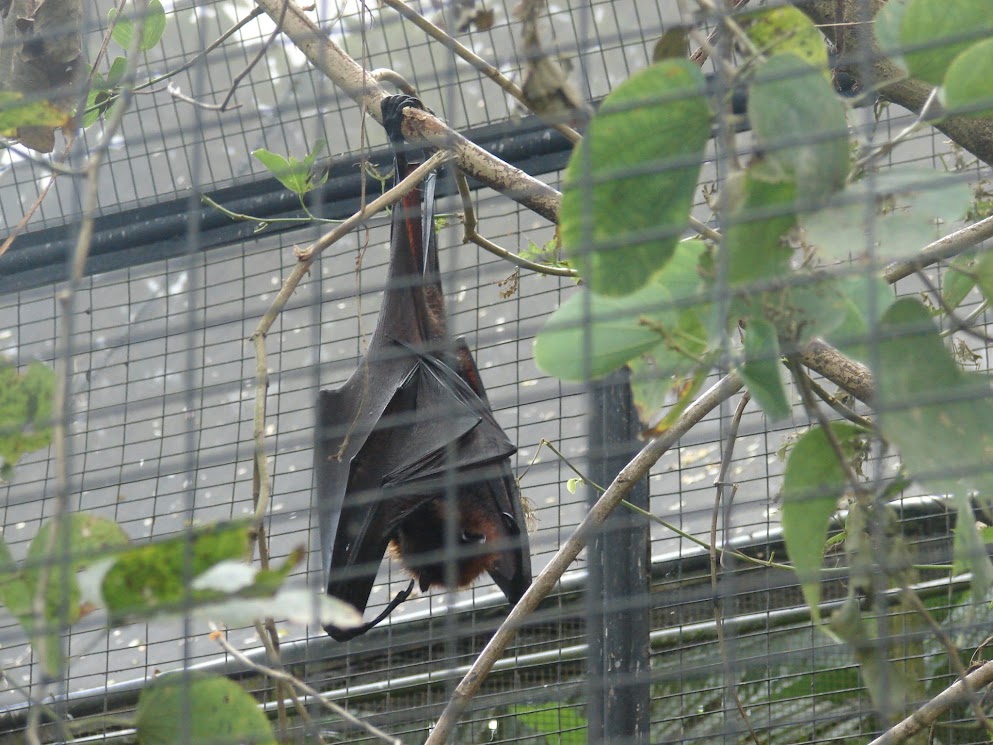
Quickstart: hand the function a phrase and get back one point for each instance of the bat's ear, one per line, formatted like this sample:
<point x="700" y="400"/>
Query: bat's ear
<point x="392" y="108"/>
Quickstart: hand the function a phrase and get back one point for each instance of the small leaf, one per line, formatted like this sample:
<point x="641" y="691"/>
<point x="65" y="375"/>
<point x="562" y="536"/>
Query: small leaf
<point x="629" y="184"/>
<point x="560" y="722"/>
<point x="116" y="73"/>
<point x="155" y="24"/>
<point x="188" y="707"/>
<point x="674" y="44"/>
<point x="573" y="484"/>
<point x="295" y="175"/>
<point x="762" y="371"/>
<point x="943" y="29"/>
<point x="813" y="482"/>
<point x="968" y="86"/>
<point x="800" y="124"/>
<point x="959" y="280"/>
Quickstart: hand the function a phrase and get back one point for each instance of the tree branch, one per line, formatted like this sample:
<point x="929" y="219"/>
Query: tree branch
<point x="419" y="126"/>
<point x="550" y="575"/>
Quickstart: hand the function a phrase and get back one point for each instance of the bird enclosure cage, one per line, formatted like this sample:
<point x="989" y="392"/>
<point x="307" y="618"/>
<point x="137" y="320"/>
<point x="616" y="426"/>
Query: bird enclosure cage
<point x="783" y="375"/>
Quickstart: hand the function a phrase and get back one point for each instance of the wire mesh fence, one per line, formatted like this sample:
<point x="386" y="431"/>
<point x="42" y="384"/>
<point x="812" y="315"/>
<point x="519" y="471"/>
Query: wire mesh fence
<point x="803" y="556"/>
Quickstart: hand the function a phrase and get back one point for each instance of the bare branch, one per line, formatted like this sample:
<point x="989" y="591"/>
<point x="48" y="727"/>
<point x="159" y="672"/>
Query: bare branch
<point x="419" y="126"/>
<point x="550" y="575"/>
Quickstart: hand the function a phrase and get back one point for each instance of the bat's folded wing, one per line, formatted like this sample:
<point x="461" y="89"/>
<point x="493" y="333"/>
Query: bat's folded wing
<point x="452" y="429"/>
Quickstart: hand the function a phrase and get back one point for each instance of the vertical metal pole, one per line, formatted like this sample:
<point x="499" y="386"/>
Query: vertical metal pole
<point x="619" y="563"/>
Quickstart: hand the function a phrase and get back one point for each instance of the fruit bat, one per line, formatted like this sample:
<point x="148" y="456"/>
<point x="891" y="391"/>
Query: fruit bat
<point x="407" y="453"/>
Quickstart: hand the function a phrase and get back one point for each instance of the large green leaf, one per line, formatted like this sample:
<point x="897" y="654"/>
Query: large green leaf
<point x="943" y="29"/>
<point x="629" y="185"/>
<point x="799" y="122"/>
<point x="939" y="417"/>
<point x="813" y="482"/>
<point x="762" y="371"/>
<point x="902" y="210"/>
<point x="194" y="707"/>
<point x="968" y="86"/>
<point x="591" y="335"/>
<point x="753" y="240"/>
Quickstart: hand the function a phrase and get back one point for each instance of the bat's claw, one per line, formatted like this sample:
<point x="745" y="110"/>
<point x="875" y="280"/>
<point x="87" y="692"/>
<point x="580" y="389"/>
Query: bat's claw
<point x="393" y="107"/>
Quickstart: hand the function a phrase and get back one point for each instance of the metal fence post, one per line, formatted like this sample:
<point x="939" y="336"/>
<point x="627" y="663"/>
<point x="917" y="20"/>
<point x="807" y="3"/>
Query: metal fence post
<point x="619" y="569"/>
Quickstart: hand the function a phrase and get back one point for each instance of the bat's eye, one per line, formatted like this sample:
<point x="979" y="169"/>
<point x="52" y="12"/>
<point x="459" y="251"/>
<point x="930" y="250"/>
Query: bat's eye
<point x="469" y="537"/>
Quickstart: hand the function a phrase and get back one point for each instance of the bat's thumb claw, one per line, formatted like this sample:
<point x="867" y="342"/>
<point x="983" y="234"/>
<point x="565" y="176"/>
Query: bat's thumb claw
<point x="392" y="107"/>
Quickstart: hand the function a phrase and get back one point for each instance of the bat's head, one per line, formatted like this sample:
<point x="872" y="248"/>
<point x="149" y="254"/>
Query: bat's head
<point x="485" y="540"/>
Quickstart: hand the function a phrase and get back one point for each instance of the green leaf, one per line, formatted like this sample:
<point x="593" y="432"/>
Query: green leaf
<point x="754" y="237"/>
<point x="959" y="280"/>
<point x="117" y="70"/>
<point x="867" y="299"/>
<point x="156" y="577"/>
<point x="938" y="416"/>
<point x="943" y="29"/>
<point x="762" y="371"/>
<point x="799" y="122"/>
<point x="970" y="553"/>
<point x="887" y="25"/>
<point x="562" y="723"/>
<point x="813" y="482"/>
<point x="788" y="30"/>
<point x="590" y="335"/>
<point x="25" y="412"/>
<point x="188" y="707"/>
<point x="629" y="184"/>
<point x="983" y="274"/>
<point x="911" y="207"/>
<point x="16" y="113"/>
<point x="968" y="86"/>
<point x="650" y="392"/>
<point x="155" y="24"/>
<point x="294" y="174"/>
<point x="674" y="44"/>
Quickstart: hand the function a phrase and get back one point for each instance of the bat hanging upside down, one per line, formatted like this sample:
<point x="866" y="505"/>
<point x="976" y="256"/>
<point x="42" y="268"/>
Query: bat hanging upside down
<point x="407" y="452"/>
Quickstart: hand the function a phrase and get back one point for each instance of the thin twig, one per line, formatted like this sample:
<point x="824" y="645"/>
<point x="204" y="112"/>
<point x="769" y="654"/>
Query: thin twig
<point x="475" y="60"/>
<point x="953" y="656"/>
<point x="720" y="482"/>
<point x="957" y="323"/>
<point x="943" y="248"/>
<point x="835" y="404"/>
<point x="256" y="59"/>
<point x="57" y="539"/>
<point x="546" y="580"/>
<point x="928" y="714"/>
<point x="815" y="413"/>
<point x="419" y="127"/>
<point x="306" y="690"/>
<point x="470" y="234"/>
